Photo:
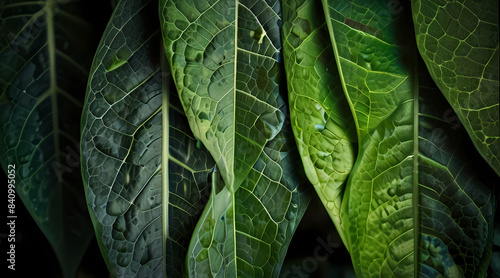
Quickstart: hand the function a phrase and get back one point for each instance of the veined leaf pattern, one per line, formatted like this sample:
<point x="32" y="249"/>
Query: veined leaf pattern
<point x="321" y="119"/>
<point x="146" y="179"/>
<point x="413" y="205"/>
<point x="43" y="72"/>
<point x="247" y="233"/>
<point x="224" y="58"/>
<point x="458" y="41"/>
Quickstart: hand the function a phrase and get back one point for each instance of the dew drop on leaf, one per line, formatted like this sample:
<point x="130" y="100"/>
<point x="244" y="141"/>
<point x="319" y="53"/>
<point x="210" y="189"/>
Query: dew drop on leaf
<point x="391" y="191"/>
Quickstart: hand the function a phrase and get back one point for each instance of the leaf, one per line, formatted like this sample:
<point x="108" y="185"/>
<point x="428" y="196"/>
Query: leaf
<point x="247" y="233"/>
<point x="458" y="41"/>
<point x="146" y="180"/>
<point x="224" y="59"/>
<point x="321" y="119"/>
<point x="43" y="70"/>
<point x="413" y="205"/>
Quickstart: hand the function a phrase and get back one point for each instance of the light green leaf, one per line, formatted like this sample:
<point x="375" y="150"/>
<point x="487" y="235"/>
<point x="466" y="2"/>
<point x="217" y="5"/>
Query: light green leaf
<point x="458" y="41"/>
<point x="146" y="179"/>
<point x="43" y="72"/>
<point x="247" y="233"/>
<point x="321" y="119"/>
<point x="224" y="59"/>
<point x="413" y="205"/>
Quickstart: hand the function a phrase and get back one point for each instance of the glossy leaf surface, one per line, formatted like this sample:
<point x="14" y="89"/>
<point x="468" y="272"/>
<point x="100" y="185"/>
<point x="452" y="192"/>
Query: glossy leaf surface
<point x="146" y="179"/>
<point x="43" y="71"/>
<point x="224" y="59"/>
<point x="413" y="205"/>
<point x="321" y="119"/>
<point x="458" y="41"/>
<point x="246" y="234"/>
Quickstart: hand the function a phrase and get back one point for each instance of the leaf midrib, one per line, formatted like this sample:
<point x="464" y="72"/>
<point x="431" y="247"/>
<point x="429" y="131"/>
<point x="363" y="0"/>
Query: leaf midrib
<point x="53" y="75"/>
<point x="231" y="186"/>
<point x="164" y="158"/>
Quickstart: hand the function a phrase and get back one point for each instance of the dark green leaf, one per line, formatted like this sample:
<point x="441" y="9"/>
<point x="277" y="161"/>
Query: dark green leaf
<point x="458" y="41"/>
<point x="43" y="70"/>
<point x="146" y="179"/>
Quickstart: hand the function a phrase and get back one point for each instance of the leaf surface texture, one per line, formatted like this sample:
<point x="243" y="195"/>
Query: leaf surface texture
<point x="43" y="72"/>
<point x="458" y="41"/>
<point x="414" y="205"/>
<point x="321" y="119"/>
<point x="224" y="58"/>
<point x="144" y="199"/>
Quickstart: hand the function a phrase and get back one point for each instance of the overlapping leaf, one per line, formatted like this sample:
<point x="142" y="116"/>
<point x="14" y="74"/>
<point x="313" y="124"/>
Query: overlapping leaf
<point x="146" y="179"/>
<point x="458" y="41"/>
<point x="43" y="72"/>
<point x="247" y="233"/>
<point x="413" y="205"/>
<point x="321" y="119"/>
<point x="224" y="58"/>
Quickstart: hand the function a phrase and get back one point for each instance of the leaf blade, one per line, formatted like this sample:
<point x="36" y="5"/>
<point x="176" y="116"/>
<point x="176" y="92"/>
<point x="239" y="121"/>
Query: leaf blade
<point x="146" y="179"/>
<point x="322" y="121"/>
<point x="459" y="44"/>
<point x="246" y="233"/>
<point x="399" y="198"/>
<point x="37" y="74"/>
<point x="231" y="68"/>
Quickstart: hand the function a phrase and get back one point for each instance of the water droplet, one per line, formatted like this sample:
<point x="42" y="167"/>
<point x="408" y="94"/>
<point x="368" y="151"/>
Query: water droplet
<point x="323" y="154"/>
<point x="25" y="172"/>
<point x="330" y="205"/>
<point x="319" y="127"/>
<point x="391" y="191"/>
<point x="127" y="178"/>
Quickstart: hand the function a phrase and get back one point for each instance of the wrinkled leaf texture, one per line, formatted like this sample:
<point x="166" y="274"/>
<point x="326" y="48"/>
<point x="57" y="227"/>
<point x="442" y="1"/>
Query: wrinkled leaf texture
<point x="43" y="70"/>
<point x="246" y="234"/>
<point x="413" y="205"/>
<point x="321" y="119"/>
<point x="146" y="181"/>
<point x="458" y="41"/>
<point x="225" y="62"/>
<point x="224" y="59"/>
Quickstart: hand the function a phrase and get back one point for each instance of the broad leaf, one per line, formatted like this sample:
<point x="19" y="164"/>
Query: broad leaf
<point x="146" y="179"/>
<point x="413" y="204"/>
<point x="321" y="119"/>
<point x="458" y="41"/>
<point x="224" y="59"/>
<point x="247" y="233"/>
<point x="43" y="72"/>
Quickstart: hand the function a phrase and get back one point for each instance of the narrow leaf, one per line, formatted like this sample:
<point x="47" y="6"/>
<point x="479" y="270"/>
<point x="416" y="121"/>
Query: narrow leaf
<point x="224" y="59"/>
<point x="321" y="119"/>
<point x="458" y="41"/>
<point x="43" y="72"/>
<point x="247" y="233"/>
<point x="146" y="179"/>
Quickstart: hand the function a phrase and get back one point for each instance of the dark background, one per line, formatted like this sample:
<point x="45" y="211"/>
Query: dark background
<point x="35" y="257"/>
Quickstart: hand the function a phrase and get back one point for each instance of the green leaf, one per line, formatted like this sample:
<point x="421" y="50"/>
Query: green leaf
<point x="146" y="179"/>
<point x="224" y="59"/>
<point x="413" y="205"/>
<point x="458" y="41"/>
<point x="321" y="119"/>
<point x="247" y="233"/>
<point x="43" y="72"/>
